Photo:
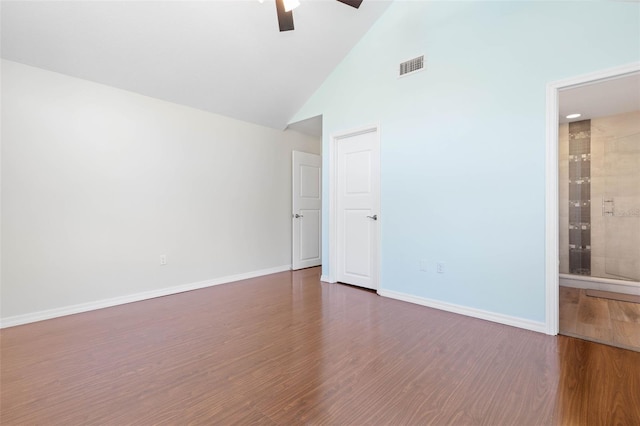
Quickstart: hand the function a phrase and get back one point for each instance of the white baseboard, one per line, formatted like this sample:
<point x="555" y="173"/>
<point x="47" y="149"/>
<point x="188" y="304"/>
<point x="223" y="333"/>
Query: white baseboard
<point x="540" y="327"/>
<point x="325" y="279"/>
<point x="121" y="300"/>
<point x="604" y="284"/>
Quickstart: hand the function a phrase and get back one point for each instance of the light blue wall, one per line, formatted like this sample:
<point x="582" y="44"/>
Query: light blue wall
<point x="463" y="143"/>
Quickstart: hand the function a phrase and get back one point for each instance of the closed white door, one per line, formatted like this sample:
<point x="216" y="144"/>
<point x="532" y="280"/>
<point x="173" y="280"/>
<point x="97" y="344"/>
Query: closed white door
<point x="358" y="205"/>
<point x="306" y="215"/>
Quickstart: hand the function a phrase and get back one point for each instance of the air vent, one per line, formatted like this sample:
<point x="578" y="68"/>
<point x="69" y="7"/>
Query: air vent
<point x="412" y="65"/>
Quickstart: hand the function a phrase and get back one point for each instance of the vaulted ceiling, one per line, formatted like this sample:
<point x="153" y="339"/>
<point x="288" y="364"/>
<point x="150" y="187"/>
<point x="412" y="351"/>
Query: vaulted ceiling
<point x="226" y="57"/>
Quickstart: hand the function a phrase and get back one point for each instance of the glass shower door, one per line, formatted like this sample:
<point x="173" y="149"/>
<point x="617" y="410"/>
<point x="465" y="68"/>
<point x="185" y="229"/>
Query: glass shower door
<point x="621" y="207"/>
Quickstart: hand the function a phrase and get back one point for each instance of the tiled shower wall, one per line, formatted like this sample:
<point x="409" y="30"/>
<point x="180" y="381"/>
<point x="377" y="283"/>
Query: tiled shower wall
<point x="580" y="197"/>
<point x="604" y="175"/>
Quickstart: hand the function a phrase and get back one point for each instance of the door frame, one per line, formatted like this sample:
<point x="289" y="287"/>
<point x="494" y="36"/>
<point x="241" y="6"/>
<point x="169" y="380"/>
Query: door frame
<point x="333" y="200"/>
<point x="552" y="249"/>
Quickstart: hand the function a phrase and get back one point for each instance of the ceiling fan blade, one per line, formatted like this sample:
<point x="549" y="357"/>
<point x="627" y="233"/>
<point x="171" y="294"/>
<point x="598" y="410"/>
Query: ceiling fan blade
<point x="352" y="3"/>
<point x="285" y="19"/>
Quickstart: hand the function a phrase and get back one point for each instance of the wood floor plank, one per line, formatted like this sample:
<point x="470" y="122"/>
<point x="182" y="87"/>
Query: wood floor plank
<point x="568" y="318"/>
<point x="617" y="323"/>
<point x="593" y="310"/>
<point x="288" y="349"/>
<point x="626" y="333"/>
<point x="569" y="299"/>
<point x="593" y="319"/>
<point x="584" y="369"/>
<point x="624" y="311"/>
<point x="569" y="295"/>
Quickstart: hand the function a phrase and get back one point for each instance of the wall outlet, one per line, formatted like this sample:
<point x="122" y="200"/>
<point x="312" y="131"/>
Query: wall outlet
<point x="440" y="267"/>
<point x="424" y="265"/>
<point x="163" y="259"/>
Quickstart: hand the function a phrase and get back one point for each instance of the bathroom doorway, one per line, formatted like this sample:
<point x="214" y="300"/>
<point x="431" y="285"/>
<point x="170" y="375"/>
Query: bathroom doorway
<point x="598" y="154"/>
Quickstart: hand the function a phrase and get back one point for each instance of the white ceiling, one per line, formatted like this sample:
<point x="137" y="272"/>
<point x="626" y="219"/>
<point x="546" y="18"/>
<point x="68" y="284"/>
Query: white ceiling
<point x="226" y="57"/>
<point x="311" y="126"/>
<point x="600" y="99"/>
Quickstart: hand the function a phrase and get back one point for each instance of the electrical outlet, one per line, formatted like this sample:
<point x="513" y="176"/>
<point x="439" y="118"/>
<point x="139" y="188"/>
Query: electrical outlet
<point x="440" y="267"/>
<point x="163" y="259"/>
<point x="424" y="265"/>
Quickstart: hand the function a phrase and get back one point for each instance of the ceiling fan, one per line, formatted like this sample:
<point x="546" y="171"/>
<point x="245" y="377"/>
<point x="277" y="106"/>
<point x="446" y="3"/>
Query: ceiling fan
<point x="285" y="11"/>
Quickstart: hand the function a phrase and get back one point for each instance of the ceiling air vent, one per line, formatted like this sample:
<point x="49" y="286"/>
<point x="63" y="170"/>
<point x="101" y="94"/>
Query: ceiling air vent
<point x="412" y="65"/>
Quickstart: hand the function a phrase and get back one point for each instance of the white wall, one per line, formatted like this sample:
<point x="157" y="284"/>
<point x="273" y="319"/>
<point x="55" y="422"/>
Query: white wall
<point x="98" y="182"/>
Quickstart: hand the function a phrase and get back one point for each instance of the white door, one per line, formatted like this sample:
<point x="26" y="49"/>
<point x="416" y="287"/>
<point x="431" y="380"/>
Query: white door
<point x="358" y="209"/>
<point x="306" y="215"/>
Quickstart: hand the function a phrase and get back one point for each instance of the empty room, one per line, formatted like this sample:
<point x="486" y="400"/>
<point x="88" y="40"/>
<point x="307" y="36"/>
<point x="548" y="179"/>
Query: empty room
<point x="334" y="212"/>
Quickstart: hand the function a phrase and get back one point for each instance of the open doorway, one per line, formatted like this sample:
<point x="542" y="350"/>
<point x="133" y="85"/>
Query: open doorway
<point x="598" y="207"/>
<point x="306" y="199"/>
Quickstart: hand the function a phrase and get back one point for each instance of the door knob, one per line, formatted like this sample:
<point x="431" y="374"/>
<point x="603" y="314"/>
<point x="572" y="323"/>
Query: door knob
<point x="297" y="215"/>
<point x="374" y="217"/>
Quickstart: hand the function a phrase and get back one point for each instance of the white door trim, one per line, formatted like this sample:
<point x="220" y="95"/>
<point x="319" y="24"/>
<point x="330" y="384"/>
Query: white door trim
<point x="552" y="270"/>
<point x="333" y="199"/>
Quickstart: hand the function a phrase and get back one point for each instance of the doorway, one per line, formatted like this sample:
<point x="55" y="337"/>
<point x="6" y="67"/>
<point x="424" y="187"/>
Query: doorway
<point x="354" y="207"/>
<point x="581" y="253"/>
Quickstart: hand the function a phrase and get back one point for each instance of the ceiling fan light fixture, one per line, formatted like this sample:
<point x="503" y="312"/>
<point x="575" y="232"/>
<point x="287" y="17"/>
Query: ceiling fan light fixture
<point x="284" y="9"/>
<point x="289" y="5"/>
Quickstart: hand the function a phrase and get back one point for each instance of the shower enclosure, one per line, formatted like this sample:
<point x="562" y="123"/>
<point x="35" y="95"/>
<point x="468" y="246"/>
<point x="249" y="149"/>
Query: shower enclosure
<point x="599" y="179"/>
<point x="621" y="207"/>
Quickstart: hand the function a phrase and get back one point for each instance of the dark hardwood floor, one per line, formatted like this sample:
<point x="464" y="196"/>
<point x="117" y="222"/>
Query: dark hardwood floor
<point x="288" y="349"/>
